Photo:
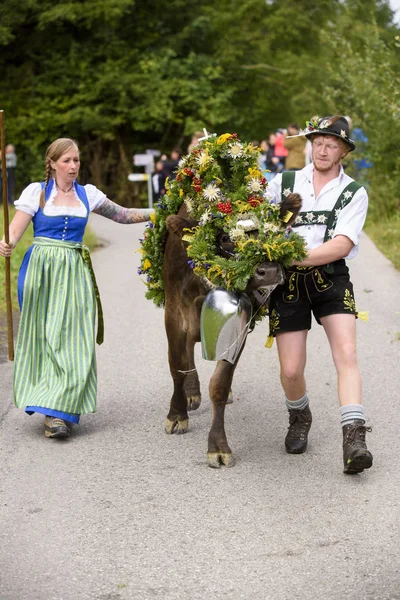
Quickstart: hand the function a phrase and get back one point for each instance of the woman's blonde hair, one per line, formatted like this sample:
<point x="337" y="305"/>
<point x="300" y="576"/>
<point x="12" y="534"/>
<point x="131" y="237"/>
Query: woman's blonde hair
<point x="53" y="153"/>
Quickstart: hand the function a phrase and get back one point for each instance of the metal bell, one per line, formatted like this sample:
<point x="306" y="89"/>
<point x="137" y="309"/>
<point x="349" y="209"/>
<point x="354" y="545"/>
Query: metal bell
<point x="224" y="324"/>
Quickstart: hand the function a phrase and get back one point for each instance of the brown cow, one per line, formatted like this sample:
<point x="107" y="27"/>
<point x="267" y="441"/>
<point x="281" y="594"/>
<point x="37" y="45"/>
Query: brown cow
<point x="184" y="296"/>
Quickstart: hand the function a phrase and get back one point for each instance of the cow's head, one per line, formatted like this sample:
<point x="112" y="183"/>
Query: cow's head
<point x="267" y="275"/>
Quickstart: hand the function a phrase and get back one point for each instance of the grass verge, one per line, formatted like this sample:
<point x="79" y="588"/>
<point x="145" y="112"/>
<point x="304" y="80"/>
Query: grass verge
<point x="386" y="237"/>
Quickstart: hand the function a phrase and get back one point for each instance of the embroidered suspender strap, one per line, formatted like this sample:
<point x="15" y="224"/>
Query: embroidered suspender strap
<point x="314" y="217"/>
<point x="343" y="200"/>
<point x="288" y="178"/>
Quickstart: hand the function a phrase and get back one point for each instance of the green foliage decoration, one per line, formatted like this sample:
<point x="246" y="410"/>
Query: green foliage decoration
<point x="223" y="190"/>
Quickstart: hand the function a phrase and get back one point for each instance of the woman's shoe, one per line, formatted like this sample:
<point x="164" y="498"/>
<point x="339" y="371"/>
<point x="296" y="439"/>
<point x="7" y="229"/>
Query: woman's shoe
<point x="56" y="428"/>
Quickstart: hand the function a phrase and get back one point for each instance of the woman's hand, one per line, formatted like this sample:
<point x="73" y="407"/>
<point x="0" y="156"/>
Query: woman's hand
<point x="6" y="249"/>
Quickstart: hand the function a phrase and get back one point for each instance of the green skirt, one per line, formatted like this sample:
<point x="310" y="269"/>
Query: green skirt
<point x="55" y="360"/>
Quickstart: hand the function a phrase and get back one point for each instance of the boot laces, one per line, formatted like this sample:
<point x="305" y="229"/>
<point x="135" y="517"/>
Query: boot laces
<point x="356" y="433"/>
<point x="299" y="423"/>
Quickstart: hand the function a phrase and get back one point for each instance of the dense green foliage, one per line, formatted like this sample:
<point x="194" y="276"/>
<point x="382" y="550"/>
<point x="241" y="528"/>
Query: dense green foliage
<point x="122" y="76"/>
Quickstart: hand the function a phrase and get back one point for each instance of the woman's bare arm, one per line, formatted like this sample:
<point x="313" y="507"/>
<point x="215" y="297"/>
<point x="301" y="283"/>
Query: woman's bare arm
<point x="17" y="228"/>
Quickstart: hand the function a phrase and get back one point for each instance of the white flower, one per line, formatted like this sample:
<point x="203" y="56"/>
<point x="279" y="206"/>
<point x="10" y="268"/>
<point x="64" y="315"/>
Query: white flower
<point x="299" y="220"/>
<point x="322" y="219"/>
<point x="254" y="185"/>
<point x="270" y="227"/>
<point x="188" y="203"/>
<point x="310" y="216"/>
<point x="203" y="159"/>
<point x="343" y="133"/>
<point x="237" y="234"/>
<point x="235" y="150"/>
<point x="331" y="232"/>
<point x="337" y="212"/>
<point x="182" y="162"/>
<point x="347" y="195"/>
<point x="205" y="217"/>
<point x="211" y="192"/>
<point x="286" y="192"/>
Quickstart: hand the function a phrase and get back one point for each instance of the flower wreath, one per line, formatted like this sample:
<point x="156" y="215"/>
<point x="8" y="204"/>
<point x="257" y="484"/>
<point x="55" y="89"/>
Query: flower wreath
<point x="223" y="190"/>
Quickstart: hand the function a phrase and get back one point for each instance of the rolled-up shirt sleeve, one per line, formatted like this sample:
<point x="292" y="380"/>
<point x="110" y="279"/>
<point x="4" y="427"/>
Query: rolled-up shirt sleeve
<point x="29" y="199"/>
<point x="351" y="219"/>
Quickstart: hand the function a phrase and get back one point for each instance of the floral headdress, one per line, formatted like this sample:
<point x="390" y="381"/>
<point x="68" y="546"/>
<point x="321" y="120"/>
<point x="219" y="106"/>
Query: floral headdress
<point x="223" y="190"/>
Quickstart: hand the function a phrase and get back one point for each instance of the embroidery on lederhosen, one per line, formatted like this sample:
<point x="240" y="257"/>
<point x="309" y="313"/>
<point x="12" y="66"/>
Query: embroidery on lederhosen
<point x="273" y="327"/>
<point x="349" y="302"/>
<point x="320" y="280"/>
<point x="292" y="292"/>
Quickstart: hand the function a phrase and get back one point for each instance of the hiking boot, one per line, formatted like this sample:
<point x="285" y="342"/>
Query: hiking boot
<point x="299" y="426"/>
<point x="56" y="428"/>
<point x="356" y="456"/>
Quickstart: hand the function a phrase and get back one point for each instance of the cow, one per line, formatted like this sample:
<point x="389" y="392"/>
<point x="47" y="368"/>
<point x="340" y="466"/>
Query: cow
<point x="185" y="293"/>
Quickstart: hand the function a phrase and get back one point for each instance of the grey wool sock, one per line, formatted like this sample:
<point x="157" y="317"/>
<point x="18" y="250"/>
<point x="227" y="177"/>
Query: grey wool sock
<point x="299" y="404"/>
<point x="351" y="413"/>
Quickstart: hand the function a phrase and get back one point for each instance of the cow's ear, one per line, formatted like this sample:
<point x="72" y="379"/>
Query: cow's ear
<point x="177" y="224"/>
<point x="290" y="208"/>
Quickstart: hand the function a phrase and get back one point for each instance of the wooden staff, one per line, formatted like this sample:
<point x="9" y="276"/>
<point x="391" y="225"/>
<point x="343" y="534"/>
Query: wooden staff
<point x="6" y="238"/>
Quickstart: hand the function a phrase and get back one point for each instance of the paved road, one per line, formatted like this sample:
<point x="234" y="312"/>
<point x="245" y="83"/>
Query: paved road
<point x="121" y="510"/>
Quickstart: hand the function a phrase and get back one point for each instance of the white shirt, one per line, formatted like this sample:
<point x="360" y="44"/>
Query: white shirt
<point x="351" y="218"/>
<point x="30" y="199"/>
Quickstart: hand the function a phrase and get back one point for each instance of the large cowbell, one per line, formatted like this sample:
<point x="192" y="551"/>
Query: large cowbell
<point x="224" y="324"/>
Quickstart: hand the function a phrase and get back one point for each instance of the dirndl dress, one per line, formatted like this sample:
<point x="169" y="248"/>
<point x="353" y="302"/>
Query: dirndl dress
<point x="55" y="361"/>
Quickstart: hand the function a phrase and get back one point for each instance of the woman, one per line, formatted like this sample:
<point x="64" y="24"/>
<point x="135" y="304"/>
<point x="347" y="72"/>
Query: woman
<point x="55" y="361"/>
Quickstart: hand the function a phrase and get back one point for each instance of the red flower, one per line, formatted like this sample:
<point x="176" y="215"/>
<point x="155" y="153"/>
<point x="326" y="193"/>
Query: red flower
<point x="254" y="202"/>
<point x="225" y="207"/>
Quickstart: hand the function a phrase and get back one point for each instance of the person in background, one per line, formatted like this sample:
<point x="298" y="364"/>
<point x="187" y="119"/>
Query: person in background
<point x="171" y="164"/>
<point x="55" y="361"/>
<point x="334" y="208"/>
<point x="158" y="180"/>
<point x="295" y="145"/>
<point x="194" y="141"/>
<point x="280" y="151"/>
<point x="11" y="164"/>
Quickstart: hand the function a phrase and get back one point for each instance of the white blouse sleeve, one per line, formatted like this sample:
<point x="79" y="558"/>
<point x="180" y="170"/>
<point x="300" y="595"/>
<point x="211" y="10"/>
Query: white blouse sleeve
<point x="95" y="196"/>
<point x="29" y="199"/>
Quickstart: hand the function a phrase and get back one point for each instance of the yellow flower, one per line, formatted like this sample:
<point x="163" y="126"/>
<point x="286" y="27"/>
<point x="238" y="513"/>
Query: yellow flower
<point x="146" y="264"/>
<point x="153" y="217"/>
<point x="181" y="193"/>
<point x="254" y="173"/>
<point x="222" y="138"/>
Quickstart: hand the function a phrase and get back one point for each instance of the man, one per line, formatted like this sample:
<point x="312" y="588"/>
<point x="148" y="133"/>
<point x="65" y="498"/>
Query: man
<point x="333" y="213"/>
<point x="295" y="145"/>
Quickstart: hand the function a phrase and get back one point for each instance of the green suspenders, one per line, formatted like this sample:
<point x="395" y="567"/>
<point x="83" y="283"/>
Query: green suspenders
<point x="320" y="217"/>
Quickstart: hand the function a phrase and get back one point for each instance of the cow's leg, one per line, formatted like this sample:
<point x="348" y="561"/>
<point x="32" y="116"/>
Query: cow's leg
<point x="192" y="383"/>
<point x="220" y="385"/>
<point x="177" y="419"/>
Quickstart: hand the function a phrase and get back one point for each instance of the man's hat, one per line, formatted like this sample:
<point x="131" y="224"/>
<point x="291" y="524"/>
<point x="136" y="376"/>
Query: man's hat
<point x="337" y="126"/>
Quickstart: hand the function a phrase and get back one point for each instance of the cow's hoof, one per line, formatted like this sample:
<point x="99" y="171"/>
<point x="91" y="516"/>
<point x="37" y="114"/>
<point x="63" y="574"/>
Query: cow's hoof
<point x="216" y="459"/>
<point x="176" y="426"/>
<point x="193" y="402"/>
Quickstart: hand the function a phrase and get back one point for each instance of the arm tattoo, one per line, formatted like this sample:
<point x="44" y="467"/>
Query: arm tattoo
<point x="119" y="214"/>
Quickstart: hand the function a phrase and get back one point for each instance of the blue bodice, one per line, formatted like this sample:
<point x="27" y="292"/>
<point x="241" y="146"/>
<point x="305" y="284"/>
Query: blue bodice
<point x="64" y="227"/>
